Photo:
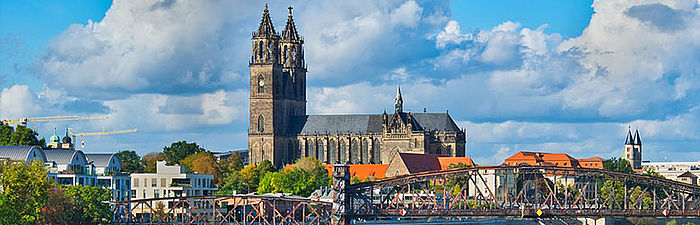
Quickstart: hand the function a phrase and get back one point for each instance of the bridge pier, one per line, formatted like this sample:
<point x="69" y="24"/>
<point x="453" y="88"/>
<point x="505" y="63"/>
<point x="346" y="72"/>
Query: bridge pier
<point x="341" y="201"/>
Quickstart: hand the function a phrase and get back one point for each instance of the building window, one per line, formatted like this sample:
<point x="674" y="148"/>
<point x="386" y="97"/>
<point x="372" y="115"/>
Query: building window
<point x="154" y="182"/>
<point x="261" y="123"/>
<point x="136" y="182"/>
<point x="133" y="193"/>
<point x="261" y="84"/>
<point x="156" y="194"/>
<point x="162" y="182"/>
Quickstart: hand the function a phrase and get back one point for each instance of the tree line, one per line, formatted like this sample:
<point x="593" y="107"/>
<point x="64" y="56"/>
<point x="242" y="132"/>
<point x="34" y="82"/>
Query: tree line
<point x="230" y="174"/>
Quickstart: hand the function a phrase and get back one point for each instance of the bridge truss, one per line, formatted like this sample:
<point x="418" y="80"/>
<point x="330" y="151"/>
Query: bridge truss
<point x="522" y="192"/>
<point x="239" y="210"/>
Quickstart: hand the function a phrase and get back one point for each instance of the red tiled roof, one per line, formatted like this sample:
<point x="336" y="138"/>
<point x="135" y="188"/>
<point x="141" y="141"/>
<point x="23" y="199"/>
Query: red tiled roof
<point x="552" y="159"/>
<point x="363" y="171"/>
<point x="416" y="163"/>
<point x="445" y="162"/>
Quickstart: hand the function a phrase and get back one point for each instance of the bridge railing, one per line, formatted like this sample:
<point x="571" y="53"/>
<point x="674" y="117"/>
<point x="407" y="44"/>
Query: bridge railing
<point x="522" y="191"/>
<point x="242" y="209"/>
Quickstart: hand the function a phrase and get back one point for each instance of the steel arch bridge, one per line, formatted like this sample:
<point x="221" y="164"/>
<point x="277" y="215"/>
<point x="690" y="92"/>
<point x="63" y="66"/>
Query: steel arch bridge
<point x="459" y="193"/>
<point x="236" y="209"/>
<point x="522" y="192"/>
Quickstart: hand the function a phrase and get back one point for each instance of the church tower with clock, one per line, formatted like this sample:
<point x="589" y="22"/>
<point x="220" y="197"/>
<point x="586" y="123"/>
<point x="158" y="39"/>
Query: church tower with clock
<point x="277" y="90"/>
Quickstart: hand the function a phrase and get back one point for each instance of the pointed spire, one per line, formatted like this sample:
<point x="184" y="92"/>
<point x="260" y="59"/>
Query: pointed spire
<point x="266" y="28"/>
<point x="398" y="105"/>
<point x="637" y="139"/>
<point x="630" y="139"/>
<point x="290" y="30"/>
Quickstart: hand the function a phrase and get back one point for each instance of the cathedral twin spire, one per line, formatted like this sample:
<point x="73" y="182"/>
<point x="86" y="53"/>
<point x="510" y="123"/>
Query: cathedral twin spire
<point x="266" y="29"/>
<point x="633" y="140"/>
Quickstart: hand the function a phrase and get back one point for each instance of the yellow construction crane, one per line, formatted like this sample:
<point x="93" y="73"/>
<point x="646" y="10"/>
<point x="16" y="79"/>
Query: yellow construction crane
<point x="24" y="121"/>
<point x="81" y="135"/>
<point x="70" y="131"/>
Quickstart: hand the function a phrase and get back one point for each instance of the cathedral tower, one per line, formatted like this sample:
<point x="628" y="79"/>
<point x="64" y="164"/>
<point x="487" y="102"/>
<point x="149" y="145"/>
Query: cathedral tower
<point x="277" y="90"/>
<point x="633" y="149"/>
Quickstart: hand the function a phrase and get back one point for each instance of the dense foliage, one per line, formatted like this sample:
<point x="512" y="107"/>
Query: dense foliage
<point x="617" y="165"/>
<point x="307" y="175"/>
<point x="28" y="197"/>
<point x="19" y="136"/>
<point x="149" y="161"/>
<point x="245" y="180"/>
<point x="180" y="150"/>
<point x="131" y="162"/>
<point x="25" y="192"/>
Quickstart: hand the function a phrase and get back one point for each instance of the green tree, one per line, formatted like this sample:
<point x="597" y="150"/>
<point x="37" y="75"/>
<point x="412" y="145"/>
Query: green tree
<point x="149" y="161"/>
<point x="617" y="165"/>
<point x="180" y="150"/>
<point x="306" y="176"/>
<point x="59" y="208"/>
<point x="25" y="192"/>
<point x="88" y="203"/>
<point x="652" y="173"/>
<point x="19" y="136"/>
<point x="232" y="163"/>
<point x="131" y="162"/>
<point x="231" y="182"/>
<point x="203" y="163"/>
<point x="5" y="133"/>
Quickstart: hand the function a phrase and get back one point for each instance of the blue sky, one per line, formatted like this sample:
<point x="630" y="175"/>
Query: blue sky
<point x="556" y="76"/>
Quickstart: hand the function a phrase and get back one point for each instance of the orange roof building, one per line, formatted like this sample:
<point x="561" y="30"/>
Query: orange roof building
<point x="363" y="171"/>
<point x="552" y="159"/>
<point x="411" y="163"/>
<point x="591" y="163"/>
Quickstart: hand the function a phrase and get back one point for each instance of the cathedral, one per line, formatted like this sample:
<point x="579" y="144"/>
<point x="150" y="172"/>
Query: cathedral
<point x="281" y="131"/>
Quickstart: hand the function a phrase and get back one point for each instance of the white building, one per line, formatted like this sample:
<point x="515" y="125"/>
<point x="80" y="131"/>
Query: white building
<point x="70" y="167"/>
<point x="109" y="176"/>
<point x="672" y="170"/>
<point x="170" y="181"/>
<point x="26" y="154"/>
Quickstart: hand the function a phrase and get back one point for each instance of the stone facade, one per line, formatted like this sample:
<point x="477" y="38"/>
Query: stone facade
<point x="633" y="150"/>
<point x="280" y="130"/>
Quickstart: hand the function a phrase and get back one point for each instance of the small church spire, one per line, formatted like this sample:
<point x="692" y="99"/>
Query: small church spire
<point x="629" y="140"/>
<point x="398" y="105"/>
<point x="266" y="28"/>
<point x="290" y="30"/>
<point x="637" y="139"/>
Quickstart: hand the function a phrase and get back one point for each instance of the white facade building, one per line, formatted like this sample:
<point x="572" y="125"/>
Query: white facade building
<point x="170" y="181"/>
<point x="671" y="170"/>
<point x="109" y="176"/>
<point x="70" y="167"/>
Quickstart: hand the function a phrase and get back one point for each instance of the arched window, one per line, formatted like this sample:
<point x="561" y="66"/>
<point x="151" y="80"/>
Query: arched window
<point x="332" y="152"/>
<point x="365" y="151"/>
<point x="261" y="123"/>
<point x="311" y="149"/>
<point x="342" y="154"/>
<point x="376" y="153"/>
<point x="261" y="84"/>
<point x="354" y="153"/>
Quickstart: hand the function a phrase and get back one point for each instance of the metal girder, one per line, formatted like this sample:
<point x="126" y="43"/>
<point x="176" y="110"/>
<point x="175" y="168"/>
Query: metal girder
<point x="241" y="210"/>
<point x="553" y="191"/>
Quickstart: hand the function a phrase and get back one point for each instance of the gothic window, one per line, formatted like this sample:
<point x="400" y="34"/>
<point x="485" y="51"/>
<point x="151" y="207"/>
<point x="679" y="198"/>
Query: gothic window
<point x="260" y="50"/>
<point x="438" y="150"/>
<point x="269" y="50"/>
<point x="365" y="151"/>
<point x="332" y="152"/>
<point x="376" y="152"/>
<point x="261" y="123"/>
<point x="354" y="153"/>
<point x="342" y="155"/>
<point x="319" y="151"/>
<point x="311" y="148"/>
<point x="286" y="56"/>
<point x="261" y="84"/>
